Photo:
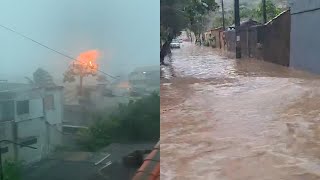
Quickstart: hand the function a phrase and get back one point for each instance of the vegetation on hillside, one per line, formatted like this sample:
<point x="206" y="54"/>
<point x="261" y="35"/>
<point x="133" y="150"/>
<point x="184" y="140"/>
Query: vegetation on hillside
<point x="137" y="121"/>
<point x="176" y="15"/>
<point x="248" y="11"/>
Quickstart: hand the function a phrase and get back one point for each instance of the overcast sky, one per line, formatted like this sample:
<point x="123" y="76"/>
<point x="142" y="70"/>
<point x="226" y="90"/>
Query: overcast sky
<point x="126" y="32"/>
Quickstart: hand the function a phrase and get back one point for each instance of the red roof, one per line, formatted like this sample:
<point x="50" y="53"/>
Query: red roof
<point x="150" y="169"/>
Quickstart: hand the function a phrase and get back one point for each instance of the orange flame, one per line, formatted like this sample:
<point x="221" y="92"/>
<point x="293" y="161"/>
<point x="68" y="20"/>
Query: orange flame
<point x="86" y="62"/>
<point x="88" y="56"/>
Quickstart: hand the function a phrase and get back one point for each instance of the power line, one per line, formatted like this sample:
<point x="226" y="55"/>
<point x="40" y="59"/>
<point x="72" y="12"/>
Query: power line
<point x="47" y="47"/>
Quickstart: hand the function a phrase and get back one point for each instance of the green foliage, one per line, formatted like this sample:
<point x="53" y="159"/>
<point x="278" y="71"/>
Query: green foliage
<point x="12" y="170"/>
<point x="248" y="12"/>
<point x="42" y="78"/>
<point x="271" y="8"/>
<point x="228" y="19"/>
<point x="133" y="122"/>
<point x="177" y="15"/>
<point x="197" y="12"/>
<point x="172" y="18"/>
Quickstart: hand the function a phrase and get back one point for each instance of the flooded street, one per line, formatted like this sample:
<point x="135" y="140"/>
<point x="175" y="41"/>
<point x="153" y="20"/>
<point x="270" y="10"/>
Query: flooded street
<point x="223" y="119"/>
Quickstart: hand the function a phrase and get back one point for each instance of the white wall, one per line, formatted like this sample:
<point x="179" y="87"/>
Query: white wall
<point x="54" y="118"/>
<point x="303" y="5"/>
<point x="6" y="130"/>
<point x="55" y="115"/>
<point x="32" y="128"/>
<point x="35" y="105"/>
<point x="54" y="136"/>
<point x="305" y="43"/>
<point x="45" y="126"/>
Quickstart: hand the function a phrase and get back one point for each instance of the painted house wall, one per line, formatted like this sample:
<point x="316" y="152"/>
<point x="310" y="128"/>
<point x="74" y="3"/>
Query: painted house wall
<point x="55" y="115"/>
<point x="305" y="43"/>
<point x="35" y="105"/>
<point x="6" y="134"/>
<point x="32" y="128"/>
<point x="44" y="125"/>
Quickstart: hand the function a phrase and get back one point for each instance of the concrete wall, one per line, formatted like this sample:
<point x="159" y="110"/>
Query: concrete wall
<point x="55" y="136"/>
<point x="32" y="128"/>
<point x="216" y="33"/>
<point x="230" y="40"/>
<point x="55" y="115"/>
<point x="76" y="115"/>
<point x="35" y="105"/>
<point x="305" y="5"/>
<point x="269" y="42"/>
<point x="304" y="41"/>
<point x="276" y="40"/>
<point x="43" y="125"/>
<point x="254" y="42"/>
<point x="6" y="130"/>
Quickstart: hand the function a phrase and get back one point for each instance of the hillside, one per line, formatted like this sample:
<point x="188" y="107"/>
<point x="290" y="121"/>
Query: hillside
<point x="215" y="20"/>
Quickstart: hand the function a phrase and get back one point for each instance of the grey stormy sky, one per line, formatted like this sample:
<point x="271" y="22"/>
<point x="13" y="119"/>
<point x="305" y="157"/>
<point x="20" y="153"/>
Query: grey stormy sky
<point x="126" y="32"/>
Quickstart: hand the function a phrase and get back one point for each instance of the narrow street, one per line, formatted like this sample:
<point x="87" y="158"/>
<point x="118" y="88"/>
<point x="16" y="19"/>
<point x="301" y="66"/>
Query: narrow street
<point x="226" y="119"/>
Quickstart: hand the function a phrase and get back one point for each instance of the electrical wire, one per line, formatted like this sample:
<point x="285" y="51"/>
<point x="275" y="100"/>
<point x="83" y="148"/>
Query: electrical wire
<point x="47" y="47"/>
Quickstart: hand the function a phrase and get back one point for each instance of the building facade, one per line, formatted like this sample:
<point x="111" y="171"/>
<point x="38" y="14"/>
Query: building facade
<point x="145" y="80"/>
<point x="304" y="53"/>
<point x="33" y="117"/>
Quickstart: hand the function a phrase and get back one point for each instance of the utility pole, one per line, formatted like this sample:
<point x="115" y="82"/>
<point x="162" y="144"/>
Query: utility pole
<point x="237" y="24"/>
<point x="264" y="11"/>
<point x="223" y="22"/>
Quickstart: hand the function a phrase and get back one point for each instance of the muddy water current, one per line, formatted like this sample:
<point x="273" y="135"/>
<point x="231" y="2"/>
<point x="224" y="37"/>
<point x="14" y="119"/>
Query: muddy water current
<point x="226" y="119"/>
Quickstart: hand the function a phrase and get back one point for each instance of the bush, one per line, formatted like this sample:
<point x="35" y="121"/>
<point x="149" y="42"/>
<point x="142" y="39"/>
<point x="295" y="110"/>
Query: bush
<point x="137" y="121"/>
<point x="12" y="170"/>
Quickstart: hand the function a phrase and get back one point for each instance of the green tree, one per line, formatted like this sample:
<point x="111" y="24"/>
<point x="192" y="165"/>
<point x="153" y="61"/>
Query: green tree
<point x="197" y="12"/>
<point x="246" y="12"/>
<point x="42" y="78"/>
<point x="133" y="122"/>
<point x="176" y="15"/>
<point x="85" y="65"/>
<point x="271" y="9"/>
<point x="228" y="19"/>
<point x="172" y="22"/>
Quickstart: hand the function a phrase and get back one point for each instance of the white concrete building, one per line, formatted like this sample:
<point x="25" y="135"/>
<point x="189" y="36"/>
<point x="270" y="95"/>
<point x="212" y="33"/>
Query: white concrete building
<point x="30" y="116"/>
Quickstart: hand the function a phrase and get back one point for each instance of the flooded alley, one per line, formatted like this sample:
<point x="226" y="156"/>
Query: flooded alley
<point x="226" y="119"/>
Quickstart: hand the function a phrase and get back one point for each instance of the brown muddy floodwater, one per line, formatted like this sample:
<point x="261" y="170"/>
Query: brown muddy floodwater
<point x="223" y="119"/>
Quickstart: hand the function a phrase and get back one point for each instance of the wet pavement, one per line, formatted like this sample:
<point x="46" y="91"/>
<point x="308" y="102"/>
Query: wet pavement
<point x="103" y="165"/>
<point x="229" y="119"/>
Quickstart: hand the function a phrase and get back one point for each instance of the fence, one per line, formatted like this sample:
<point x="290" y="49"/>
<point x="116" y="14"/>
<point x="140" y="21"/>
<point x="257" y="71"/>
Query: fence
<point x="269" y="42"/>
